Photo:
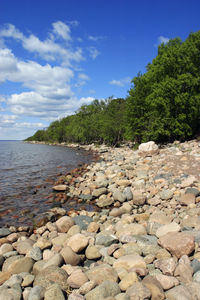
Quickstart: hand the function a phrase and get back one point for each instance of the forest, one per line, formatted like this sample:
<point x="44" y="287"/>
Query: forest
<point x="162" y="105"/>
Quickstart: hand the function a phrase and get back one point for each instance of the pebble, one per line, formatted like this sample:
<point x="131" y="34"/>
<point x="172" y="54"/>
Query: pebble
<point x="143" y="243"/>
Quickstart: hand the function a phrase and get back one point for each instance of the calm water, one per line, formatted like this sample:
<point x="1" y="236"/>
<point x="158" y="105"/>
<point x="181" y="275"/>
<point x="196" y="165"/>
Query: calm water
<point x="27" y="173"/>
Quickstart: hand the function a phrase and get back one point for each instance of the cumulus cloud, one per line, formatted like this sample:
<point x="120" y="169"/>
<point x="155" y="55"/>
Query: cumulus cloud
<point x="45" y="92"/>
<point x="121" y="82"/>
<point x="50" y="86"/>
<point x="47" y="49"/>
<point x="11" y="31"/>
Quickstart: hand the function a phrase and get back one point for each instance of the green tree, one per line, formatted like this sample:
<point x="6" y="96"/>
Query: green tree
<point x="164" y="103"/>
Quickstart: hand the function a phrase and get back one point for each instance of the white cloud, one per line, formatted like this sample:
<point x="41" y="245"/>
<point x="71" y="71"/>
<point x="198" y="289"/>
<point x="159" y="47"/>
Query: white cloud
<point x="30" y="125"/>
<point x="11" y="31"/>
<point x="82" y="80"/>
<point x="34" y="104"/>
<point x="13" y="128"/>
<point x="162" y="39"/>
<point x="86" y="100"/>
<point x="50" y="86"/>
<point x="2" y="101"/>
<point x="47" y="49"/>
<point x="8" y="64"/>
<point x="121" y="82"/>
<point x="93" y="52"/>
<point x="31" y="73"/>
<point x="62" y="30"/>
<point x="7" y="120"/>
<point x="44" y="91"/>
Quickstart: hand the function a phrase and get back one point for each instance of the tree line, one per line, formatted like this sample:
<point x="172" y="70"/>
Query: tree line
<point x="163" y="104"/>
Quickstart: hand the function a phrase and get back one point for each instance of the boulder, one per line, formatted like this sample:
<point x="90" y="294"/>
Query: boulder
<point x="148" y="149"/>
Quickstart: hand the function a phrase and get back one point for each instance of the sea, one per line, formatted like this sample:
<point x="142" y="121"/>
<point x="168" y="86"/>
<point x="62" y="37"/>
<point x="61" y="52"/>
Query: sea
<point x="27" y="175"/>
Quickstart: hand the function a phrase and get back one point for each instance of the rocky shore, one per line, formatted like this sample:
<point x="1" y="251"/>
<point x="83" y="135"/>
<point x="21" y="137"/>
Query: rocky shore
<point x="144" y="243"/>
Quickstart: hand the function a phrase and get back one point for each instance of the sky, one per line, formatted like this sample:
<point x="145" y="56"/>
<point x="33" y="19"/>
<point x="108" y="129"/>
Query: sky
<point x="56" y="55"/>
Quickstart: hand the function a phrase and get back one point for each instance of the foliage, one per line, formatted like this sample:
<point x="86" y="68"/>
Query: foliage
<point x="163" y="104"/>
<point x="99" y="122"/>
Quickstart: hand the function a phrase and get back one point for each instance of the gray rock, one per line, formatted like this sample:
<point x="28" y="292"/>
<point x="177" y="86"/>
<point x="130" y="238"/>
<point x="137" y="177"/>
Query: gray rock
<point x="142" y="174"/>
<point x="163" y="176"/>
<point x="54" y="292"/>
<point x="128" y="193"/>
<point x="122" y="296"/>
<point x="89" y="262"/>
<point x="152" y="227"/>
<point x="148" y="245"/>
<point x="50" y="275"/>
<point x="85" y="197"/>
<point x="193" y="191"/>
<point x="13" y="293"/>
<point x="104" y="201"/>
<point x="101" y="273"/>
<point x="24" y="246"/>
<point x="4" y="232"/>
<point x="102" y="183"/>
<point x="18" y="264"/>
<point x="82" y="221"/>
<point x="194" y="289"/>
<point x="138" y="290"/>
<point x="119" y="196"/>
<point x="196" y="276"/>
<point x="179" y="292"/>
<point x="99" y="192"/>
<point x="106" y="289"/>
<point x="35" y="253"/>
<point x="36" y="293"/>
<point x="55" y="260"/>
<point x="9" y="254"/>
<point x="195" y="264"/>
<point x="14" y="279"/>
<point x="138" y="198"/>
<point x="106" y="238"/>
<point x="26" y="293"/>
<point x="166" y="194"/>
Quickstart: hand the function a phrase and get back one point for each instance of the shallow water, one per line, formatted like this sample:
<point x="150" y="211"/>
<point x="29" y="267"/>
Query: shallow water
<point x="27" y="173"/>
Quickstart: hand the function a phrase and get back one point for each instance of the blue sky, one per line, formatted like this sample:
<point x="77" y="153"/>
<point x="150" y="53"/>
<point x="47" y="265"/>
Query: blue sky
<point x="56" y="55"/>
